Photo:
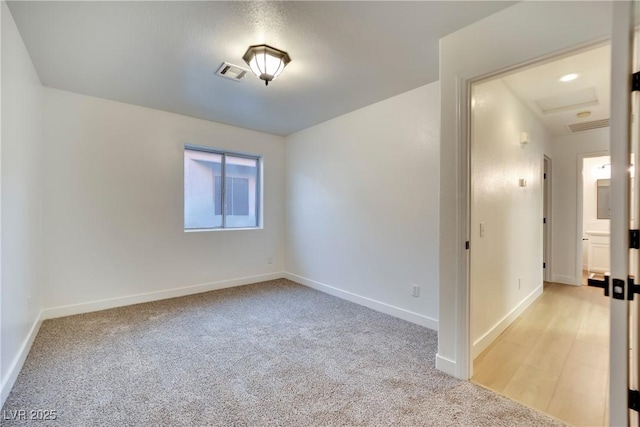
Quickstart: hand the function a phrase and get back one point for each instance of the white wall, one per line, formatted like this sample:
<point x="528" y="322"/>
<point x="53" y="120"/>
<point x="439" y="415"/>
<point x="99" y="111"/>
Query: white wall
<point x="362" y="218"/>
<point x="21" y="202"/>
<point x="567" y="158"/>
<point x="506" y="272"/>
<point x="518" y="35"/>
<point x="114" y="229"/>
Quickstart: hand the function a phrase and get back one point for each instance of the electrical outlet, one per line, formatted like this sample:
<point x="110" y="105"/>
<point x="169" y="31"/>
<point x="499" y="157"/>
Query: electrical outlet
<point x="416" y="290"/>
<point x="270" y="260"/>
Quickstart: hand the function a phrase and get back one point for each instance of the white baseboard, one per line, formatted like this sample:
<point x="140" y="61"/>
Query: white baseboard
<point x="87" y="307"/>
<point x="445" y="365"/>
<point x="567" y="280"/>
<point x="18" y="360"/>
<point x="483" y="342"/>
<point x="382" y="307"/>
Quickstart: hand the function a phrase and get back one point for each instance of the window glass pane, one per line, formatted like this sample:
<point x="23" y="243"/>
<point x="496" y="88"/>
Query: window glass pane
<point x="241" y="196"/>
<point x="229" y="189"/>
<point x="202" y="201"/>
<point x="242" y="189"/>
<point x="217" y="186"/>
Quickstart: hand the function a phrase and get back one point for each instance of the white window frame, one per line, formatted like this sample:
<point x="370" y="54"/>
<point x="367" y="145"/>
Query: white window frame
<point x="258" y="201"/>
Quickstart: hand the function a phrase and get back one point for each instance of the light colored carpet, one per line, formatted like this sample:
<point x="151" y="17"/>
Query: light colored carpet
<point x="274" y="353"/>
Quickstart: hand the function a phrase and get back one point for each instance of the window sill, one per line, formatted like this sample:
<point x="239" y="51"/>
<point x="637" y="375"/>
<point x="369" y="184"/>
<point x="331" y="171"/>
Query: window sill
<point x="198" y="230"/>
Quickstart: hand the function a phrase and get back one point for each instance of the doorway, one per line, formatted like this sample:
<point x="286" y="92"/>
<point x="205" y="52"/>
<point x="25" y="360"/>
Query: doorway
<point x="534" y="335"/>
<point x="546" y="222"/>
<point x="594" y="216"/>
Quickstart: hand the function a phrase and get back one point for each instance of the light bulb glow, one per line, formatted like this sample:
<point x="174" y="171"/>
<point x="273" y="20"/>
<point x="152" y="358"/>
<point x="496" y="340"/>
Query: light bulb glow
<point x="568" y="77"/>
<point x="265" y="61"/>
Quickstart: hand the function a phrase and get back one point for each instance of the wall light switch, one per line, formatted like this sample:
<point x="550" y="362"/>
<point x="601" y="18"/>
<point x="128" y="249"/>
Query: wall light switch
<point x="523" y="182"/>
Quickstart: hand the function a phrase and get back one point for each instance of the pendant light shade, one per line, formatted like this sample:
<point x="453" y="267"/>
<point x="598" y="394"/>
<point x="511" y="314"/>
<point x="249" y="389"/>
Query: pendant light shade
<point x="266" y="62"/>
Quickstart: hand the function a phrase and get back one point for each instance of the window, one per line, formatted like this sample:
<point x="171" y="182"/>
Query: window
<point x="221" y="189"/>
<point x="237" y="191"/>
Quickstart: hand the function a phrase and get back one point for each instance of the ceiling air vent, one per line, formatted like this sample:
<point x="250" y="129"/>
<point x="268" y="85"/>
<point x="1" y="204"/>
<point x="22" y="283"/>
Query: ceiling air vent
<point x="231" y="71"/>
<point x="595" y="124"/>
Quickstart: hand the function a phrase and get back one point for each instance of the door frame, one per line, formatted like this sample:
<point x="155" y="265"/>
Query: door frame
<point x="547" y="194"/>
<point x="472" y="54"/>
<point x="620" y="148"/>
<point x="580" y="208"/>
<point x="465" y="129"/>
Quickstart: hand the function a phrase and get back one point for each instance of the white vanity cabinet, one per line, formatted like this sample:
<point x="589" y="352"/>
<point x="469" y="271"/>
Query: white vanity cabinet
<point x="598" y="251"/>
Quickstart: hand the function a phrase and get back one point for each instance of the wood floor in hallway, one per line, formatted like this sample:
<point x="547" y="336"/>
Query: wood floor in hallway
<point x="555" y="356"/>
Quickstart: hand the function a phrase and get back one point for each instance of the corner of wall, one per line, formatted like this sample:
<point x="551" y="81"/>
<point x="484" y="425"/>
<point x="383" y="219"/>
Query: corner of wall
<point x="373" y="304"/>
<point x="18" y="361"/>
<point x="446" y="365"/>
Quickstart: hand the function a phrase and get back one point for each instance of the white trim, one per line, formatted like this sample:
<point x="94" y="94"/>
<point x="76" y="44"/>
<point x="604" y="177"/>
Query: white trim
<point x="18" y="360"/>
<point x="486" y="339"/>
<point x="567" y="280"/>
<point x="598" y="233"/>
<point x="464" y="363"/>
<point x="445" y="365"/>
<point x="382" y="307"/>
<point x="204" y="230"/>
<point x="577" y="280"/>
<point x="68" y="310"/>
<point x="547" y="193"/>
<point x="621" y="69"/>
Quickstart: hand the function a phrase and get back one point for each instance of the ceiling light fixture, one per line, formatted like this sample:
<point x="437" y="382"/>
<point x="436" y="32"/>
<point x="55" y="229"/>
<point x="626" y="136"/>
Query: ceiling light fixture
<point x="583" y="114"/>
<point x="265" y="61"/>
<point x="568" y="77"/>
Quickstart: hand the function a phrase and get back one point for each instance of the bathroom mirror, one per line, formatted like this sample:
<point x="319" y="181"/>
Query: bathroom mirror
<point x="602" y="199"/>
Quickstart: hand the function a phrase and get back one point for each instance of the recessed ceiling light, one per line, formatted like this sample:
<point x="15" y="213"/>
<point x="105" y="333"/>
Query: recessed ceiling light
<point x="583" y="114"/>
<point x="568" y="77"/>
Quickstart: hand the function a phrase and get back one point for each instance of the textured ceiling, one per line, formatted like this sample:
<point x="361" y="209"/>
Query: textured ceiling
<point x="164" y="55"/>
<point x="540" y="83"/>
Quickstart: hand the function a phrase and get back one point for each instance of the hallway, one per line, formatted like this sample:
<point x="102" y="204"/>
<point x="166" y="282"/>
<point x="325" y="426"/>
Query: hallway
<point x="555" y="356"/>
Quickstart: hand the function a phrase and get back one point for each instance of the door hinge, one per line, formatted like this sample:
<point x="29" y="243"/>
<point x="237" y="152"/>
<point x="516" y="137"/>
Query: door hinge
<point x="544" y="176"/>
<point x="544" y="265"/>
<point x="634" y="239"/>
<point x="618" y="287"/>
<point x="604" y="284"/>
<point x="619" y="291"/>
<point x="635" y="82"/>
<point x="632" y="288"/>
<point x="466" y="245"/>
<point x="544" y="220"/>
<point x="634" y="400"/>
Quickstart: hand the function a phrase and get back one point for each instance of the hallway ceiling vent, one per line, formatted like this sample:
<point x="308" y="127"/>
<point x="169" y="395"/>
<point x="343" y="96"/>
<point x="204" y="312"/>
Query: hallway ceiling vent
<point x="231" y="71"/>
<point x="583" y="126"/>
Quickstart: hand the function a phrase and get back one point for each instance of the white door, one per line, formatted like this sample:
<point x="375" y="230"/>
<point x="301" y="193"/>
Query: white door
<point x="623" y="361"/>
